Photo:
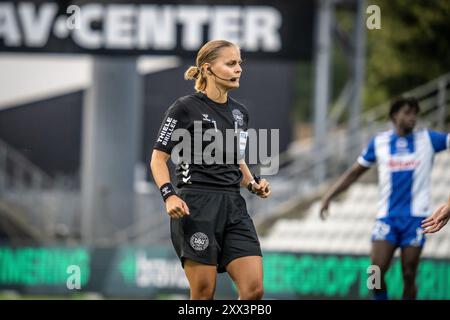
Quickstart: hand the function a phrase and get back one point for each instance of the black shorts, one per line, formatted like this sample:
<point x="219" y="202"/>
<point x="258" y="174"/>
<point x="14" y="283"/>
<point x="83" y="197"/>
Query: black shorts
<point x="218" y="229"/>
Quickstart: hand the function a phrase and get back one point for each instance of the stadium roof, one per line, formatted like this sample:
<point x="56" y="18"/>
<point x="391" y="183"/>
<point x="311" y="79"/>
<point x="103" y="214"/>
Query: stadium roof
<point x="30" y="77"/>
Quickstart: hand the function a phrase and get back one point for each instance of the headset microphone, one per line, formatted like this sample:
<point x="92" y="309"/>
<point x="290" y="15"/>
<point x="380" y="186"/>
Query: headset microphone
<point x="232" y="79"/>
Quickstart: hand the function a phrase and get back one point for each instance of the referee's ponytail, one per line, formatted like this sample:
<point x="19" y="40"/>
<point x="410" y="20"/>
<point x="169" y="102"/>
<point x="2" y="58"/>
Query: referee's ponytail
<point x="194" y="73"/>
<point x="207" y="54"/>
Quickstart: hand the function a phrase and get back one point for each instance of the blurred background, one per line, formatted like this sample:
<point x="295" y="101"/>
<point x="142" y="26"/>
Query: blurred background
<point x="83" y="89"/>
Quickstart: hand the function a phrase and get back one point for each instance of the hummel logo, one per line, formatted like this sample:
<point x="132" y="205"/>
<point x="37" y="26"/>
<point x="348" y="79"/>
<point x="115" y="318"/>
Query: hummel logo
<point x="165" y="191"/>
<point x="205" y="117"/>
<point x="185" y="172"/>
<point x="186" y="180"/>
<point x="184" y="166"/>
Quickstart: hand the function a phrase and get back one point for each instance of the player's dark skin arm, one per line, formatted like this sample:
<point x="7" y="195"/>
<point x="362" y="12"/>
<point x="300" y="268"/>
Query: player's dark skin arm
<point x="350" y="176"/>
<point x="175" y="207"/>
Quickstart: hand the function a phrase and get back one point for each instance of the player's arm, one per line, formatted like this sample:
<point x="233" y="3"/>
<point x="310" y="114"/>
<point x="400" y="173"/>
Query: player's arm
<point x="175" y="207"/>
<point x="438" y="219"/>
<point x="262" y="188"/>
<point x="350" y="176"/>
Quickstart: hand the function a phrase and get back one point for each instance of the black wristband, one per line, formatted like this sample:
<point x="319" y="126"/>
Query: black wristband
<point x="167" y="190"/>
<point x="250" y="188"/>
<point x="250" y="185"/>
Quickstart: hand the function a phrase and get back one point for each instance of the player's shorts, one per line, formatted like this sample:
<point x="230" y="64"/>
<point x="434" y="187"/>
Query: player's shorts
<point x="400" y="231"/>
<point x="218" y="229"/>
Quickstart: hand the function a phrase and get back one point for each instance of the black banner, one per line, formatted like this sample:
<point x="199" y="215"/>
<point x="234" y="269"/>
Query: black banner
<point x="263" y="29"/>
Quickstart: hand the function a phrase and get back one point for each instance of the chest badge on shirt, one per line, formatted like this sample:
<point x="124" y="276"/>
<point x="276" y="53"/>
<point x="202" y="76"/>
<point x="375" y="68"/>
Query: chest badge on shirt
<point x="402" y="146"/>
<point x="238" y="117"/>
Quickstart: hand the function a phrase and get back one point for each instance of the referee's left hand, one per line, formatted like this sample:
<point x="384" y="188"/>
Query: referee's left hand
<point x="262" y="188"/>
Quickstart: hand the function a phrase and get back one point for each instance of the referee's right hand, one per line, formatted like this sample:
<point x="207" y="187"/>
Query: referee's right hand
<point x="176" y="208"/>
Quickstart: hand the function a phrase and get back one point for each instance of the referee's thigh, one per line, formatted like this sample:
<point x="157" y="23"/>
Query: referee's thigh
<point x="247" y="274"/>
<point x="202" y="279"/>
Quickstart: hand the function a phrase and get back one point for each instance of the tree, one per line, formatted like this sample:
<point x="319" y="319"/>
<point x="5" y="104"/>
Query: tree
<point x="411" y="48"/>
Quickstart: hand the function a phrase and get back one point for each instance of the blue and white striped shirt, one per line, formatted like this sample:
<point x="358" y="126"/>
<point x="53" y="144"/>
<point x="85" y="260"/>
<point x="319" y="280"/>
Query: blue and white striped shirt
<point x="404" y="170"/>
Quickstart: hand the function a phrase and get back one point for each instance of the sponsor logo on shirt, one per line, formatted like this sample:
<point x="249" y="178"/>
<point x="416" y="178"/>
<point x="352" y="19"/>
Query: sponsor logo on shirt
<point x="403" y="165"/>
<point x="167" y="130"/>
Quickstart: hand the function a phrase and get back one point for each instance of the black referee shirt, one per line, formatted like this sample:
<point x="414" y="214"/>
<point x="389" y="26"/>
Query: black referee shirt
<point x="212" y="115"/>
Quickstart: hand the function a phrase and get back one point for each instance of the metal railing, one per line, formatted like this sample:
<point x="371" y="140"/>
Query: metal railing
<point x="17" y="172"/>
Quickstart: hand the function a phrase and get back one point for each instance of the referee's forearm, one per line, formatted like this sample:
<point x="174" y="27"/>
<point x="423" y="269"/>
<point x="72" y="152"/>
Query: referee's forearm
<point x="160" y="171"/>
<point x="246" y="174"/>
<point x="245" y="181"/>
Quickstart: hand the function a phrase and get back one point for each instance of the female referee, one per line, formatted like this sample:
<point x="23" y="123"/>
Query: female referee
<point x="211" y="230"/>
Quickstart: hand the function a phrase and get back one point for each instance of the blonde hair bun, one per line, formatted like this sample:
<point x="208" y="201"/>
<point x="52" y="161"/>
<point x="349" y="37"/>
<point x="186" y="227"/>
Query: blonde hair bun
<point x="191" y="73"/>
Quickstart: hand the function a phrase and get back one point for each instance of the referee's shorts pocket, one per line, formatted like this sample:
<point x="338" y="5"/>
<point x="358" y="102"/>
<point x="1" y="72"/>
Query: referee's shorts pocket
<point x="195" y="202"/>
